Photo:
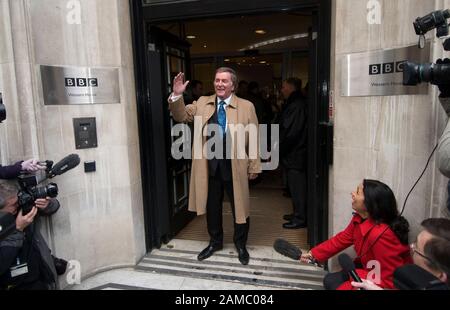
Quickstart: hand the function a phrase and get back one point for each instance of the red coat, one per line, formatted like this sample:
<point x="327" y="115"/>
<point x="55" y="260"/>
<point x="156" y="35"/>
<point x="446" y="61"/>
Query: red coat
<point x="372" y="241"/>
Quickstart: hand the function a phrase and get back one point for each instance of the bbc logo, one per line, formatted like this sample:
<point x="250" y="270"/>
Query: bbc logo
<point x="386" y="68"/>
<point x="81" y="82"/>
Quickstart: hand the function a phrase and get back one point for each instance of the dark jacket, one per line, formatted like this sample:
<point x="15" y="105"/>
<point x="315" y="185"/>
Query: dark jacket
<point x="294" y="133"/>
<point x="10" y="172"/>
<point x="223" y="165"/>
<point x="35" y="246"/>
<point x="443" y="150"/>
<point x="258" y="102"/>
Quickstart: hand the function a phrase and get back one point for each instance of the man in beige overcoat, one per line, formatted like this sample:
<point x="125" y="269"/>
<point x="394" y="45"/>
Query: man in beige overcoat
<point x="230" y="171"/>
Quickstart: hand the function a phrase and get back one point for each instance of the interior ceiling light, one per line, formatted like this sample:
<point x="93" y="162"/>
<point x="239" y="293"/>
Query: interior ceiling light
<point x="263" y="62"/>
<point x="191" y="37"/>
<point x="274" y="41"/>
<point x="227" y="60"/>
<point x="260" y="31"/>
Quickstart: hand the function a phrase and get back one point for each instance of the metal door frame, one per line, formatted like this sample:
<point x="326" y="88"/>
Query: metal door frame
<point x="320" y="137"/>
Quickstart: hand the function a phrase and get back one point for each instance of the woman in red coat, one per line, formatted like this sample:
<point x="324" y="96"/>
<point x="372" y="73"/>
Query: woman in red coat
<point x="377" y="233"/>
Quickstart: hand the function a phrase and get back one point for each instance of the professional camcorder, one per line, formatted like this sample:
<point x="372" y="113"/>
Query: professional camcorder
<point x="29" y="189"/>
<point x="434" y="73"/>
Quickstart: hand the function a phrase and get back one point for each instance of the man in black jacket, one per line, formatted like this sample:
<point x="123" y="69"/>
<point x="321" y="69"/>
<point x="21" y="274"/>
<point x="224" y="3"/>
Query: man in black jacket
<point x="293" y="142"/>
<point x="26" y="262"/>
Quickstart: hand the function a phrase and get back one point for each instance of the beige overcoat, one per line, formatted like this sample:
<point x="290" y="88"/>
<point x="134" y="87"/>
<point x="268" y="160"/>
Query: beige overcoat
<point x="239" y="111"/>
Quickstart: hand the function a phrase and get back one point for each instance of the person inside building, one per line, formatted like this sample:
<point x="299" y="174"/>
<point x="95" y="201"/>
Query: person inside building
<point x="376" y="231"/>
<point x="293" y="150"/>
<point x="193" y="92"/>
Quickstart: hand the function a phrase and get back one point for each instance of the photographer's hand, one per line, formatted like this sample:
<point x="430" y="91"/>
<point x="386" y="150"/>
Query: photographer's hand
<point x="32" y="165"/>
<point x="42" y="204"/>
<point x="23" y="221"/>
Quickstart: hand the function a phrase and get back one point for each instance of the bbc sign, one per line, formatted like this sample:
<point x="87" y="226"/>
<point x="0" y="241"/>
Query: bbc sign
<point x="380" y="73"/>
<point x="80" y="85"/>
<point x="81" y="82"/>
<point x="387" y="68"/>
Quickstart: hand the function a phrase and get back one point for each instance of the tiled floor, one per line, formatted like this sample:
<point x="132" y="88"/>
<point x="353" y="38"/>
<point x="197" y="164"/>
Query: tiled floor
<point x="175" y="267"/>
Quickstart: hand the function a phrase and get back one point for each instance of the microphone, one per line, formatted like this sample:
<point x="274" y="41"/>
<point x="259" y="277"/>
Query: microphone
<point x="64" y="165"/>
<point x="349" y="267"/>
<point x="289" y="250"/>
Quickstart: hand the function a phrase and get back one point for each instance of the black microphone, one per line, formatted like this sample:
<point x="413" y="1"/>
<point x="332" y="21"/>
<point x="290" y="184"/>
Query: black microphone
<point x="349" y="267"/>
<point x="287" y="249"/>
<point x="64" y="165"/>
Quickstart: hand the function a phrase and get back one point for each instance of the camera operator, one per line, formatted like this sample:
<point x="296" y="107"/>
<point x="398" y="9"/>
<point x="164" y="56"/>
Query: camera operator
<point x="431" y="252"/>
<point x="443" y="157"/>
<point x="26" y="262"/>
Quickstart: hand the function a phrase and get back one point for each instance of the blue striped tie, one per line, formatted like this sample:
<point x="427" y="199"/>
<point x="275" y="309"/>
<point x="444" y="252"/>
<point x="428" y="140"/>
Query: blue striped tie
<point x="222" y="117"/>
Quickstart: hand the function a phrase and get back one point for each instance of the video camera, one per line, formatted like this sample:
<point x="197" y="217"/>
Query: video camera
<point x="29" y="189"/>
<point x="434" y="73"/>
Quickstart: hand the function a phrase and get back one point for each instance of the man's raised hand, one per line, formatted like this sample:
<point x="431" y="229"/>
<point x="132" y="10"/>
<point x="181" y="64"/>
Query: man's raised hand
<point x="179" y="85"/>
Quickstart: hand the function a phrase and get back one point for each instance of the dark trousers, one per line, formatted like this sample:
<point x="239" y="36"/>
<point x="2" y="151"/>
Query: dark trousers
<point x="216" y="188"/>
<point x="333" y="280"/>
<point x="296" y="180"/>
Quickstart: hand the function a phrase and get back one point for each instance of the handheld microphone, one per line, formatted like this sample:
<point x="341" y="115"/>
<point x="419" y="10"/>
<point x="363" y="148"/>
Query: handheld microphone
<point x="64" y="165"/>
<point x="349" y="267"/>
<point x="289" y="250"/>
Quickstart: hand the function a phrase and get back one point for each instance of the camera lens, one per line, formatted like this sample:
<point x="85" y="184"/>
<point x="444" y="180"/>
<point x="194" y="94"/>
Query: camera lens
<point x="51" y="190"/>
<point x="411" y="74"/>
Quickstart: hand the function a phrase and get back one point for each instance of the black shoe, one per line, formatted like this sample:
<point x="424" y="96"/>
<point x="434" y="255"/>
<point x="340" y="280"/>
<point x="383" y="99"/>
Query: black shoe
<point x="293" y="225"/>
<point x="206" y="253"/>
<point x="244" y="257"/>
<point x="288" y="217"/>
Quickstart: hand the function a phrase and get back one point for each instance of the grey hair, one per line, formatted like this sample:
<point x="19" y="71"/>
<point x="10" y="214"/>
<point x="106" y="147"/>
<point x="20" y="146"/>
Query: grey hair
<point x="234" y="78"/>
<point x="8" y="189"/>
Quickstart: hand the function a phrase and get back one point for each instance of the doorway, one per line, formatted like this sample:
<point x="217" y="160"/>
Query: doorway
<point x="166" y="44"/>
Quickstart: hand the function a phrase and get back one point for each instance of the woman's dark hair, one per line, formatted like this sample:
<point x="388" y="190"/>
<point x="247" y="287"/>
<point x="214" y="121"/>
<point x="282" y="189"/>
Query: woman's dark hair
<point x="382" y="208"/>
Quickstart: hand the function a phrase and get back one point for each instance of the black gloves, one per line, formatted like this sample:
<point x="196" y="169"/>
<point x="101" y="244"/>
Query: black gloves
<point x="444" y="88"/>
